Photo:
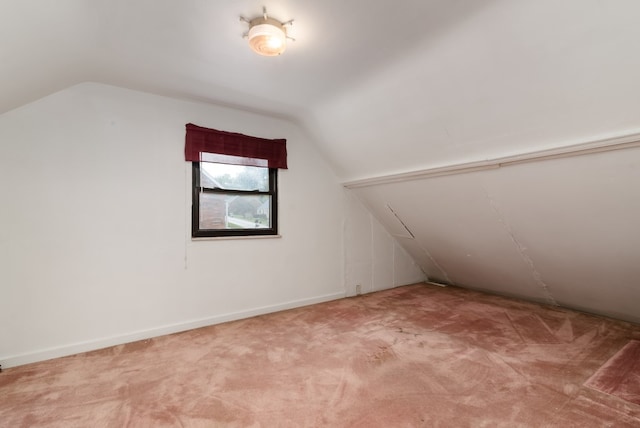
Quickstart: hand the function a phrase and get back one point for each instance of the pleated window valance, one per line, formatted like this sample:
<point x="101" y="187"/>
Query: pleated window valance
<point x="205" y="144"/>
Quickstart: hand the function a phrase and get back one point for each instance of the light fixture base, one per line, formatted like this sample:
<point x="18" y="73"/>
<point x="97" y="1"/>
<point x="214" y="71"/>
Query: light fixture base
<point x="267" y="36"/>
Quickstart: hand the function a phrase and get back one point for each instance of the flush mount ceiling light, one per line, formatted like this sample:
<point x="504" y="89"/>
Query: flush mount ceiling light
<point x="267" y="36"/>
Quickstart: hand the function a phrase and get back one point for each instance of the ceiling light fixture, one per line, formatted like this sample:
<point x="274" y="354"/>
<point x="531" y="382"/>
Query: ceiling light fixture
<point x="267" y="36"/>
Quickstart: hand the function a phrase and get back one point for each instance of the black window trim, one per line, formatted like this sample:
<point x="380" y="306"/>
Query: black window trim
<point x="196" y="232"/>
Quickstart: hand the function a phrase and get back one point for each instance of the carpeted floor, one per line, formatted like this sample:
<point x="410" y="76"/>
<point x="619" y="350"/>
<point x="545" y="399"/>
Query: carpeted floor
<point x="620" y="376"/>
<point x="415" y="356"/>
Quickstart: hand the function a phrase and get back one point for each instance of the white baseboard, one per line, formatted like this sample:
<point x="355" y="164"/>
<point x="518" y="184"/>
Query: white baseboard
<point x="92" y="345"/>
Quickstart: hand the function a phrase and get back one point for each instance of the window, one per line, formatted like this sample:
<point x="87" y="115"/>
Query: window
<point x="234" y="200"/>
<point x="235" y="182"/>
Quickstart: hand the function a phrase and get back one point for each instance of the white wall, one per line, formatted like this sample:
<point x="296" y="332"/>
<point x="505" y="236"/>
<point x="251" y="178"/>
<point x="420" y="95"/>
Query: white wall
<point x="95" y="247"/>
<point x="562" y="231"/>
<point x="373" y="258"/>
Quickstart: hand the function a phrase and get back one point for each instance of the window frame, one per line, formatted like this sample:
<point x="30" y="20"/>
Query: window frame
<point x="197" y="232"/>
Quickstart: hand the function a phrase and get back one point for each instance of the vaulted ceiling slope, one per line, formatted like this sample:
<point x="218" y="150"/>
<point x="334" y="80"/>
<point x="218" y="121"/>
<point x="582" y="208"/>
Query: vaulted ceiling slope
<point x="383" y="87"/>
<point x="560" y="231"/>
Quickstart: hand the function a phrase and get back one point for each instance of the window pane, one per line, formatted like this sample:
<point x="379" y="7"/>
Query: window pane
<point x="234" y="177"/>
<point x="233" y="160"/>
<point x="234" y="212"/>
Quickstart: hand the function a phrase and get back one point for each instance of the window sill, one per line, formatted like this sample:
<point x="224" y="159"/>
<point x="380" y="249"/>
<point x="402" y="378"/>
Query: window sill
<point x="226" y="238"/>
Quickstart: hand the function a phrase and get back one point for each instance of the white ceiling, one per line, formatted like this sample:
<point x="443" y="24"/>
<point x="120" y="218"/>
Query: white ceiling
<point x="381" y="86"/>
<point x="195" y="49"/>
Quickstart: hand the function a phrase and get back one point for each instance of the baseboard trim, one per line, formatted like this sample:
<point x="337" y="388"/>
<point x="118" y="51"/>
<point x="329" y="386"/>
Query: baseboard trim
<point x="92" y="345"/>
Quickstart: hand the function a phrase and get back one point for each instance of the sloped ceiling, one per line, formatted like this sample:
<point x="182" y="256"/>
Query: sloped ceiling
<point x="195" y="49"/>
<point x="390" y="87"/>
<point x="560" y="231"/>
<point x="409" y="84"/>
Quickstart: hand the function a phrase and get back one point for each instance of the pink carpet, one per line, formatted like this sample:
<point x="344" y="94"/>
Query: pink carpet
<point x="415" y="356"/>
<point x="620" y="376"/>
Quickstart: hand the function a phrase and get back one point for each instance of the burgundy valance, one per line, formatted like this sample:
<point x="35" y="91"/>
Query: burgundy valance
<point x="235" y="146"/>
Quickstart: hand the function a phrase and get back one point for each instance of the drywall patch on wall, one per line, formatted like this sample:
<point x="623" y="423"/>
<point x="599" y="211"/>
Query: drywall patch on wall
<point x="521" y="249"/>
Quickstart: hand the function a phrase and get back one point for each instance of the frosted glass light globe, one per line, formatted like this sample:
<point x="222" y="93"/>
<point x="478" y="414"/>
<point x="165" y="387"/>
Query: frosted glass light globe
<point x="267" y="39"/>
